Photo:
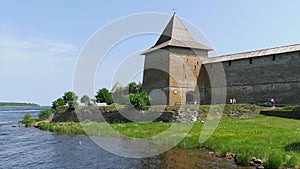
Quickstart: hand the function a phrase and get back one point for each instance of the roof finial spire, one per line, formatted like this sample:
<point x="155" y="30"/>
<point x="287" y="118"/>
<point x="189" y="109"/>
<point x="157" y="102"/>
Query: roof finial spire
<point x="174" y="10"/>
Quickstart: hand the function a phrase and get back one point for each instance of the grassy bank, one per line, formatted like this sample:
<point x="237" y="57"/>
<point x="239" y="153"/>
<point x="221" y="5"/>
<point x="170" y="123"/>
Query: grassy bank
<point x="15" y="104"/>
<point x="274" y="140"/>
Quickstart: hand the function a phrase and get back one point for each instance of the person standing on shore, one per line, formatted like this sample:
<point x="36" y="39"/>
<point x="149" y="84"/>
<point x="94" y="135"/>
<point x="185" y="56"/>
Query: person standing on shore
<point x="272" y="103"/>
<point x="233" y="101"/>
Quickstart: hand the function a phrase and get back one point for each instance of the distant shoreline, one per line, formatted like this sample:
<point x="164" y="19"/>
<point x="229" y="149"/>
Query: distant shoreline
<point x="16" y="104"/>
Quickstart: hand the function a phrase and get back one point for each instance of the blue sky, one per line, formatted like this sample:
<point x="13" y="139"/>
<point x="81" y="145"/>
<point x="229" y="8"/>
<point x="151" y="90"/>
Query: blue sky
<point x="41" y="40"/>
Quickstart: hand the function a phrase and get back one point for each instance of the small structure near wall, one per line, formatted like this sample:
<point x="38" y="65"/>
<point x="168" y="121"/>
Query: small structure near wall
<point x="116" y="87"/>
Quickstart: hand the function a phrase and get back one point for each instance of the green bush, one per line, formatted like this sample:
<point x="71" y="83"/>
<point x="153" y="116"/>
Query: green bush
<point x="85" y="99"/>
<point x="103" y="95"/>
<point x="58" y="103"/>
<point x="139" y="101"/>
<point x="44" y="114"/>
<point x="27" y="120"/>
<point x="131" y="87"/>
<point x="134" y="88"/>
<point x="27" y="117"/>
<point x="70" y="99"/>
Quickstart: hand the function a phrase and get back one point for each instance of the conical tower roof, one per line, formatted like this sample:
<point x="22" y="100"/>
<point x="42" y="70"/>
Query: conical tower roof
<point x="116" y="87"/>
<point x="175" y="34"/>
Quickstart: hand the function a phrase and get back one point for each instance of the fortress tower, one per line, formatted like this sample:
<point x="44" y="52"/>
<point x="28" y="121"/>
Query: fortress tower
<point x="177" y="70"/>
<point x="172" y="66"/>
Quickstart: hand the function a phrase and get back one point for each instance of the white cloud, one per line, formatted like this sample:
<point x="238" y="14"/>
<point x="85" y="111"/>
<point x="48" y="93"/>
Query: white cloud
<point x="33" y="49"/>
<point x="34" y="69"/>
<point x="15" y="53"/>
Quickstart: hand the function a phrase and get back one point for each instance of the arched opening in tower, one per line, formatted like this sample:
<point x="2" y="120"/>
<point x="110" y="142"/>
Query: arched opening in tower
<point x="191" y="98"/>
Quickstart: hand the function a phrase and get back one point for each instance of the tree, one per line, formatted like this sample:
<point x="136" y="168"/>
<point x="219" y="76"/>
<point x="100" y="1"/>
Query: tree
<point x="45" y="114"/>
<point x="85" y="99"/>
<point x="103" y="95"/>
<point x="70" y="99"/>
<point x="27" y="120"/>
<point x="58" y="103"/>
<point x="139" y="101"/>
<point x="134" y="87"/>
<point x="27" y="117"/>
<point x="131" y="87"/>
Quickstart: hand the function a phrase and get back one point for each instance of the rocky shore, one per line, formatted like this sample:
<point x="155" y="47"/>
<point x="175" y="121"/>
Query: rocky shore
<point x="197" y="158"/>
<point x="155" y="114"/>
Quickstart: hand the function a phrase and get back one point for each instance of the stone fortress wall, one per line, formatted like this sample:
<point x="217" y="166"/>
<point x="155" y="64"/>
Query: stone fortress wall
<point x="258" y="79"/>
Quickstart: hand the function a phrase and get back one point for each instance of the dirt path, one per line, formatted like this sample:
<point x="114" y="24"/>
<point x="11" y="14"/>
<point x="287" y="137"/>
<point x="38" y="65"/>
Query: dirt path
<point x="43" y="121"/>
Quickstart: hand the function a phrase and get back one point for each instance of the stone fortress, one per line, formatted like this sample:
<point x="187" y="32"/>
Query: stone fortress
<point x="177" y="70"/>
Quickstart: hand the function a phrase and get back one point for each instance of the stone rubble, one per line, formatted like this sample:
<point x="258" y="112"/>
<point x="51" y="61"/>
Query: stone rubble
<point x="186" y="115"/>
<point x="256" y="162"/>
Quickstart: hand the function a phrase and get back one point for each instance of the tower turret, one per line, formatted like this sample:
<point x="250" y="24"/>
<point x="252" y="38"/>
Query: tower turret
<point x="172" y="66"/>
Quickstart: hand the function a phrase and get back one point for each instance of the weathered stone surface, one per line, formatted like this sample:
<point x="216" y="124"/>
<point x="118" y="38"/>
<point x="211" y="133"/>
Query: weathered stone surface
<point x="187" y="115"/>
<point x="255" y="82"/>
<point x="258" y="163"/>
<point x="64" y="114"/>
<point x="175" y="71"/>
<point x="96" y="114"/>
<point x="264" y="79"/>
<point x="156" y="73"/>
<point x="260" y="167"/>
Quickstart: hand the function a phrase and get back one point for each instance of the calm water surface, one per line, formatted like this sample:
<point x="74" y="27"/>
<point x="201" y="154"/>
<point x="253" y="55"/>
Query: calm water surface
<point x="22" y="147"/>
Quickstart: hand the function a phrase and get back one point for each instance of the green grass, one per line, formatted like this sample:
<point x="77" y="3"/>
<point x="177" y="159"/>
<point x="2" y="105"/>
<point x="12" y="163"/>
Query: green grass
<point x="274" y="140"/>
<point x="262" y="137"/>
<point x="63" y="128"/>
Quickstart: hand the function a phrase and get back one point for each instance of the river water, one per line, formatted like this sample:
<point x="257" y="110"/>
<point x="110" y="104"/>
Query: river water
<point x="28" y="148"/>
<point x="22" y="147"/>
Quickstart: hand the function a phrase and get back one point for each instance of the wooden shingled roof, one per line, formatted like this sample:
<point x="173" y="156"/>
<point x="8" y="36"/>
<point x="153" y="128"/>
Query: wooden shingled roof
<point x="175" y="34"/>
<point x="256" y="53"/>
